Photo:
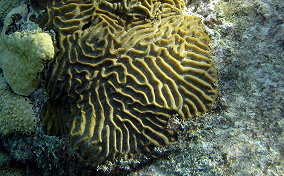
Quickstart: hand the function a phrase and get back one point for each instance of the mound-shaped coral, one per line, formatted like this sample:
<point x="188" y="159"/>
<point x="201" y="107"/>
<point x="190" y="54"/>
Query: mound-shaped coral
<point x="22" y="54"/>
<point x="125" y="68"/>
<point x="16" y="112"/>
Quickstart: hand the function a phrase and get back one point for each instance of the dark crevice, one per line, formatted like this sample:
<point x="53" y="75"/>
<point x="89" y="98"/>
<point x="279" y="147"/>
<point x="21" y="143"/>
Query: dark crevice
<point x="14" y="26"/>
<point x="86" y="26"/>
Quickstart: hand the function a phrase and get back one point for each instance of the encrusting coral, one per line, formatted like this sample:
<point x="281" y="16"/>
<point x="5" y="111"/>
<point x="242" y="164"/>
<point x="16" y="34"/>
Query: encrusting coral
<point x="125" y="68"/>
<point x="22" y="54"/>
<point x="16" y="112"/>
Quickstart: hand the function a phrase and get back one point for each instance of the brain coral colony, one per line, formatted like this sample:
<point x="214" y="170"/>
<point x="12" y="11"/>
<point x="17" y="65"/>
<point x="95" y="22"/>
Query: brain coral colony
<point x="124" y="69"/>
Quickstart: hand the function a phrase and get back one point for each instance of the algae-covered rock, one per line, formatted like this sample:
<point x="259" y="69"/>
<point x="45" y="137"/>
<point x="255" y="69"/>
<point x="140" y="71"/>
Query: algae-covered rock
<point x="16" y="112"/>
<point x="7" y="5"/>
<point x="22" y="54"/>
<point x="10" y="172"/>
<point x="4" y="158"/>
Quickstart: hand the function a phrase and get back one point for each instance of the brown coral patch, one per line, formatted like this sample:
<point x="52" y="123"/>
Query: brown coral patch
<point x="121" y="75"/>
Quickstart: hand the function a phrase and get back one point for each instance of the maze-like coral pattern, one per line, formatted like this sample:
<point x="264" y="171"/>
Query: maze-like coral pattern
<point x="121" y="75"/>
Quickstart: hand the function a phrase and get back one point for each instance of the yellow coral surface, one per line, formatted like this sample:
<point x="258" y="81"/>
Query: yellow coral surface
<point x="22" y="54"/>
<point x="123" y="73"/>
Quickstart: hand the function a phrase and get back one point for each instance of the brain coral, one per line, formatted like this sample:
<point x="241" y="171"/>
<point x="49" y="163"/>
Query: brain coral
<point x="125" y="68"/>
<point x="16" y="112"/>
<point x="22" y="54"/>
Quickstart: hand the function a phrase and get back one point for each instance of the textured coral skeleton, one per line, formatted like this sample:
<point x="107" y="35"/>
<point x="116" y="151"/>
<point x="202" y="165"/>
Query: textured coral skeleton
<point x="16" y="112"/>
<point x="124" y="69"/>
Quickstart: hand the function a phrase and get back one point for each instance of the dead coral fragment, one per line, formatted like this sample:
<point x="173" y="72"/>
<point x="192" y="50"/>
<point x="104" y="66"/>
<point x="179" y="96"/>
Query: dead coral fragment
<point x="119" y="77"/>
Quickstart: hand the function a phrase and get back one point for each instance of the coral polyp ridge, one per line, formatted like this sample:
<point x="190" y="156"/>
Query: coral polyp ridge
<point x="124" y="69"/>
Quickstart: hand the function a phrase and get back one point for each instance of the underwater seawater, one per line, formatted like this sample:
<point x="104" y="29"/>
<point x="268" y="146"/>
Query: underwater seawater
<point x="141" y="87"/>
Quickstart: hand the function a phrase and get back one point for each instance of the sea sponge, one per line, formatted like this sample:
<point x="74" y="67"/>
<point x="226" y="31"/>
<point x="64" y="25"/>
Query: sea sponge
<point x="16" y="112"/>
<point x="120" y="75"/>
<point x="22" y="54"/>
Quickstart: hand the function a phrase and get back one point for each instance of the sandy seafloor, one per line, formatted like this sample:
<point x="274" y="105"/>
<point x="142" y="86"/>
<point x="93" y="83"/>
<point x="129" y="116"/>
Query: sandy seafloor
<point x="245" y="133"/>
